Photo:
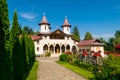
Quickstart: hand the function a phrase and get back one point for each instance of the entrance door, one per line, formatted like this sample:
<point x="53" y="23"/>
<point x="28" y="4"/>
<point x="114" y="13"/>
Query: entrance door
<point x="57" y="48"/>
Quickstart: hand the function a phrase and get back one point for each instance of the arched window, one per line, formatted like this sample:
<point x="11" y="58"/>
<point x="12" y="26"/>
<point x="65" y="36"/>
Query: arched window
<point x="45" y="47"/>
<point x="68" y="47"/>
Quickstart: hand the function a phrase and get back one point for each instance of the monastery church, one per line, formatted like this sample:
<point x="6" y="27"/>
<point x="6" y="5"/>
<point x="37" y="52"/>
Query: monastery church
<point x="54" y="42"/>
<point x="59" y="41"/>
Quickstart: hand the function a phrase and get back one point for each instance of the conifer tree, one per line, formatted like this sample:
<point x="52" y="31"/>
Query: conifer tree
<point x="5" y="57"/>
<point x="88" y="36"/>
<point x="18" y="72"/>
<point x="16" y="49"/>
<point x="76" y="34"/>
<point x="24" y="52"/>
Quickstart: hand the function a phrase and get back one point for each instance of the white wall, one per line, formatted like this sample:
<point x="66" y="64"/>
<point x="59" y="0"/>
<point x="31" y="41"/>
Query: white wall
<point x="42" y="29"/>
<point x="66" y="30"/>
<point x="48" y="41"/>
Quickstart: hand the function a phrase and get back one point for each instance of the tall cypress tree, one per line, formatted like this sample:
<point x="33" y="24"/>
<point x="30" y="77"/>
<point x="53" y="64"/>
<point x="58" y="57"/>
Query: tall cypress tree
<point x="16" y="50"/>
<point x="5" y="58"/>
<point x="15" y="28"/>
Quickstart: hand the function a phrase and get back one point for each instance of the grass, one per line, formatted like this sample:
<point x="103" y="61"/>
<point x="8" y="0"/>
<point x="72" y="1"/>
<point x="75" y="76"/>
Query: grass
<point x="33" y="72"/>
<point x="86" y="74"/>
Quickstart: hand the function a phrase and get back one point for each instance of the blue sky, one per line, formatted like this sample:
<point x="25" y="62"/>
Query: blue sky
<point x="100" y="17"/>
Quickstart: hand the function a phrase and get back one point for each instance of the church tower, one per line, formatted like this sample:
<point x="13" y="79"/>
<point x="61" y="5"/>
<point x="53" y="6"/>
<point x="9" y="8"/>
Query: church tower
<point x="45" y="26"/>
<point x="66" y="26"/>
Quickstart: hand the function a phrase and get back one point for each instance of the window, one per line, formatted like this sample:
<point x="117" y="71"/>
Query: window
<point x="37" y="48"/>
<point x="45" y="27"/>
<point x="45" y="37"/>
<point x="67" y="29"/>
<point x="68" y="38"/>
<point x="37" y="41"/>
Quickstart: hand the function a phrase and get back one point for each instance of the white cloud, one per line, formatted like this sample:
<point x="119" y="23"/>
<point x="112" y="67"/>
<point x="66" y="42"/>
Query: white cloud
<point x="105" y="36"/>
<point x="29" y="16"/>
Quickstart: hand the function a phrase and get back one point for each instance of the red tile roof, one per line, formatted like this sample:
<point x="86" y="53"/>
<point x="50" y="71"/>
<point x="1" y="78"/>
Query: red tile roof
<point x="90" y="42"/>
<point x="66" y="23"/>
<point x="44" y="21"/>
<point x="34" y="37"/>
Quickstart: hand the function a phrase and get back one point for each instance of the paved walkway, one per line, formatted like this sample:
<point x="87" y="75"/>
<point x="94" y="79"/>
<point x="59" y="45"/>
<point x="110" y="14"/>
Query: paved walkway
<point x="49" y="70"/>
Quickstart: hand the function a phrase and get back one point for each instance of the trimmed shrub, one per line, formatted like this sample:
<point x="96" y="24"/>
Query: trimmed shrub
<point x="63" y="57"/>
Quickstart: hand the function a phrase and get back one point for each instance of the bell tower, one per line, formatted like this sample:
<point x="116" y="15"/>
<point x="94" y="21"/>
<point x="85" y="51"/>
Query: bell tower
<point x="45" y="26"/>
<point x="66" y="26"/>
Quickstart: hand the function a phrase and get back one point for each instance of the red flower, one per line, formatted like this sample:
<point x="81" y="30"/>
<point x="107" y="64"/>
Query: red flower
<point x="97" y="54"/>
<point x="117" y="46"/>
<point x="92" y="51"/>
<point x="68" y="52"/>
<point x="106" y="52"/>
<point x="85" y="53"/>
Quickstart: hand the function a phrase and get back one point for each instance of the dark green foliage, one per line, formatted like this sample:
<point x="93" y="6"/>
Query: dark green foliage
<point x="22" y="49"/>
<point x="5" y="58"/>
<point x="76" y="34"/>
<point x="28" y="52"/>
<point x="113" y="41"/>
<point x="105" y="43"/>
<point x="17" y="61"/>
<point x="16" y="51"/>
<point x="28" y="30"/>
<point x="15" y="27"/>
<point x="88" y="36"/>
<point x="23" y="42"/>
<point x="63" y="57"/>
<point x="110" y="69"/>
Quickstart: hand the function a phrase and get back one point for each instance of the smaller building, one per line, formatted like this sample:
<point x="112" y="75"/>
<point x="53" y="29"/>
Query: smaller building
<point x="90" y="46"/>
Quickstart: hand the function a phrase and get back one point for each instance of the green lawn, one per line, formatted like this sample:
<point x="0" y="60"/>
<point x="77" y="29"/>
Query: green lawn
<point x="86" y="74"/>
<point x="33" y="72"/>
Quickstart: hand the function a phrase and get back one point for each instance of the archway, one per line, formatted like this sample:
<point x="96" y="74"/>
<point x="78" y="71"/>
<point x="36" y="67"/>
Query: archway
<point x="57" y="48"/>
<point x="45" y="48"/>
<point x="63" y="48"/>
<point x="74" y="49"/>
<point x="68" y="48"/>
<point x="51" y="48"/>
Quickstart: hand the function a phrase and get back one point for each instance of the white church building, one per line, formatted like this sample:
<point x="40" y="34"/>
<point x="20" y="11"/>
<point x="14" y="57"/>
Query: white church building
<point x="59" y="41"/>
<point x="56" y="41"/>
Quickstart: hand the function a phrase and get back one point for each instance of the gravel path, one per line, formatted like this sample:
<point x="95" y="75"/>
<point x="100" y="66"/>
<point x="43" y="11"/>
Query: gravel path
<point x="50" y="70"/>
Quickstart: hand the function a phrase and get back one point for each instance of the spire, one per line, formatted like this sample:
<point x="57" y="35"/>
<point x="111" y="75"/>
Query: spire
<point x="66" y="23"/>
<point x="44" y="20"/>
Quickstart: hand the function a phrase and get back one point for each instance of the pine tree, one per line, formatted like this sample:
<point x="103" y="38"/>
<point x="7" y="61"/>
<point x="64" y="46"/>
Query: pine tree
<point x="76" y="34"/>
<point x="5" y="57"/>
<point x="88" y="36"/>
